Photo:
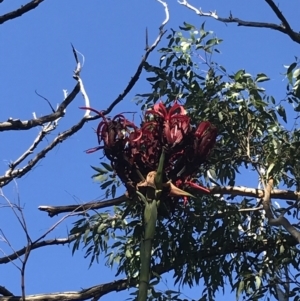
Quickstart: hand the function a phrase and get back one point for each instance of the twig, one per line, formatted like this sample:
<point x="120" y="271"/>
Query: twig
<point x="17" y="173"/>
<point x="9" y="244"/>
<point x="49" y="103"/>
<point x="284" y="27"/>
<point x="139" y="70"/>
<point x="21" y="219"/>
<point x="79" y="80"/>
<point x="41" y="135"/>
<point x="17" y="124"/>
<point x="19" y="12"/>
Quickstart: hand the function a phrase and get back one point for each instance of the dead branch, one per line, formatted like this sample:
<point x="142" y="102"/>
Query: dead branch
<point x="79" y="80"/>
<point x="284" y="27"/>
<point x="55" y="210"/>
<point x="17" y="173"/>
<point x="17" y="124"/>
<point x="46" y="129"/>
<point x="20" y="11"/>
<point x="103" y="289"/>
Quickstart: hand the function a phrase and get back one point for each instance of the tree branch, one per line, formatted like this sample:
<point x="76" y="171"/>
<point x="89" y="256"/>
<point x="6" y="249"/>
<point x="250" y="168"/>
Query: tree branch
<point x="226" y="190"/>
<point x="5" y="292"/>
<point x="17" y="173"/>
<point x="103" y="289"/>
<point x="21" y="11"/>
<point x="284" y="27"/>
<point x="281" y="220"/>
<point x="17" y="124"/>
<point x="44" y="243"/>
<point x="55" y="210"/>
<point x="254" y="192"/>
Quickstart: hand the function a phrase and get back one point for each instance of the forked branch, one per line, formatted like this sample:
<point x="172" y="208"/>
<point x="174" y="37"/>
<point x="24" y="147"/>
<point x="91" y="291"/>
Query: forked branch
<point x="284" y="27"/>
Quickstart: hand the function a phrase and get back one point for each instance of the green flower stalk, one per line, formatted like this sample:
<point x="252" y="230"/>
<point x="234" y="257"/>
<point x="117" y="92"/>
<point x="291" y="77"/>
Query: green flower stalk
<point x="154" y="184"/>
<point x="150" y="217"/>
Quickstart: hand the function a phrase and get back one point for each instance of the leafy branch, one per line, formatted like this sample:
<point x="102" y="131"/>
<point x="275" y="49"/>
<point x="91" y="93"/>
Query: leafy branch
<point x="284" y="27"/>
<point x="159" y="269"/>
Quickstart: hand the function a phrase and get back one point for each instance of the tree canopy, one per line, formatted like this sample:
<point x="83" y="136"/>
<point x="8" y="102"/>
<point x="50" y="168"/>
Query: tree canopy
<point x="201" y="129"/>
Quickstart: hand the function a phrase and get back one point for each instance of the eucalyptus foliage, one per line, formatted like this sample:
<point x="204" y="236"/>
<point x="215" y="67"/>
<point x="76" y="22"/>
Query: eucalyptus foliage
<point x="216" y="242"/>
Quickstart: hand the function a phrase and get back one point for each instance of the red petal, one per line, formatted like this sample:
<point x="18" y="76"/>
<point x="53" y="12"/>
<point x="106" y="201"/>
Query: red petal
<point x="172" y="110"/>
<point x="202" y="128"/>
<point x="93" y="110"/>
<point x="196" y="186"/>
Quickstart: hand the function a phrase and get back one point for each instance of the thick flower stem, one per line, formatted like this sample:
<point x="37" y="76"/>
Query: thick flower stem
<point x="150" y="217"/>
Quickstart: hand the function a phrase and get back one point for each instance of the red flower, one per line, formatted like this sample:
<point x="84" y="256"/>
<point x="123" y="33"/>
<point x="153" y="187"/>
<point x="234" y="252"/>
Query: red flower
<point x="175" y="122"/>
<point x="135" y="152"/>
<point x="205" y="135"/>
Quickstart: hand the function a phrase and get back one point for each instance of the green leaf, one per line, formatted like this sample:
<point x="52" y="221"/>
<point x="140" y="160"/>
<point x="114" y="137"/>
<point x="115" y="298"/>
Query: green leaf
<point x="100" y="177"/>
<point x="187" y="27"/>
<point x="257" y="282"/>
<point x="261" y="77"/>
<point x="106" y="184"/>
<point x="240" y="289"/>
<point x="271" y="166"/>
<point x="296" y="73"/>
<point x="107" y="166"/>
<point x="100" y="170"/>
<point x="282" y="113"/>
<point x="113" y="190"/>
<point x="291" y="68"/>
<point x="289" y="72"/>
<point x="238" y="75"/>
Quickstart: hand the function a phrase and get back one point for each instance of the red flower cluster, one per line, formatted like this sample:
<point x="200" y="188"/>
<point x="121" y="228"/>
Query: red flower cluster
<point x="135" y="151"/>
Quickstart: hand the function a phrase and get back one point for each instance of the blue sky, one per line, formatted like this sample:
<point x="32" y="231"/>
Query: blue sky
<point x="35" y="54"/>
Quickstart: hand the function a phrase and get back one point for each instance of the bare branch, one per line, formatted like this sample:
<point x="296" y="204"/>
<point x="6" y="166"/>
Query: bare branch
<point x="16" y="124"/>
<point x="284" y="27"/>
<point x="279" y="15"/>
<point x="79" y="80"/>
<point x="45" y="130"/>
<point x="21" y="11"/>
<point x="55" y="210"/>
<point x="44" y="243"/>
<point x="18" y="173"/>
